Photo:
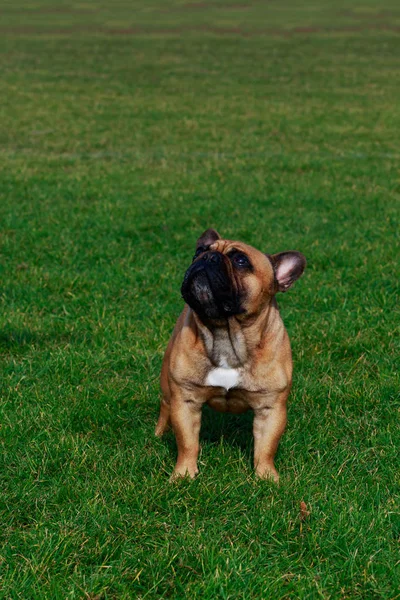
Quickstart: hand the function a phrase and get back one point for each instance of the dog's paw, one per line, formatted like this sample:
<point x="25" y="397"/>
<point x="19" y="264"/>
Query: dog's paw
<point x="184" y="471"/>
<point x="268" y="472"/>
<point x="160" y="430"/>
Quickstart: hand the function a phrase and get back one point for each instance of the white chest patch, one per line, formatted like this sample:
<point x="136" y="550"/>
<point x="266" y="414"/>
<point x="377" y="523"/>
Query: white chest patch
<point x="220" y="377"/>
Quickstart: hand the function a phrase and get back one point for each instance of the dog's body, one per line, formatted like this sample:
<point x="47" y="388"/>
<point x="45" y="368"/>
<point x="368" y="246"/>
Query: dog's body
<point x="229" y="348"/>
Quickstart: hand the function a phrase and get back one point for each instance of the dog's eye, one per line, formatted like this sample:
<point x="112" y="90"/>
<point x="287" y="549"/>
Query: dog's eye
<point x="240" y="260"/>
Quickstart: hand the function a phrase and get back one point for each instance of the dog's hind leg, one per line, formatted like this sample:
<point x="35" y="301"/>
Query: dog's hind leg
<point x="164" y="420"/>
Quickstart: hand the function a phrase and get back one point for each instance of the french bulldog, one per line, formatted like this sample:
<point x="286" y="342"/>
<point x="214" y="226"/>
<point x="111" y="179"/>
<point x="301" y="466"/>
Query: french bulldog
<point x="229" y="348"/>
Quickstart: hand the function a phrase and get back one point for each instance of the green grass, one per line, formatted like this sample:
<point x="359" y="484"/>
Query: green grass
<point x="276" y="123"/>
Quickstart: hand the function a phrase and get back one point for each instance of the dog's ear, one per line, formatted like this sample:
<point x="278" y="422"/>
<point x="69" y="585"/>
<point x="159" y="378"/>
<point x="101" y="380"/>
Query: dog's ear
<point x="207" y="238"/>
<point x="288" y="266"/>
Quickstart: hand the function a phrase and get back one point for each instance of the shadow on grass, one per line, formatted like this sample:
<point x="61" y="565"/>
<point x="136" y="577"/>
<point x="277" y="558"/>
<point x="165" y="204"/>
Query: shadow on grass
<point x="235" y="430"/>
<point x="14" y="339"/>
<point x="17" y="341"/>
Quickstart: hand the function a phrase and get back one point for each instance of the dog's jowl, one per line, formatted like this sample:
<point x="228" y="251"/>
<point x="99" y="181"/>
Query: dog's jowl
<point x="229" y="348"/>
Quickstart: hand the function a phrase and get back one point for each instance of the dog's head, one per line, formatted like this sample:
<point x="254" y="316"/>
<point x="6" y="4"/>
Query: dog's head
<point x="228" y="278"/>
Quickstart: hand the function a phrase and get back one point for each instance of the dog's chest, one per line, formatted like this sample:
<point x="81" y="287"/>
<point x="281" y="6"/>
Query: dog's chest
<point x="226" y="378"/>
<point x="224" y="351"/>
<point x="224" y="375"/>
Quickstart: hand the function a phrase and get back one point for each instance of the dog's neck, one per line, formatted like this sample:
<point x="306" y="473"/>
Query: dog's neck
<point x="232" y="344"/>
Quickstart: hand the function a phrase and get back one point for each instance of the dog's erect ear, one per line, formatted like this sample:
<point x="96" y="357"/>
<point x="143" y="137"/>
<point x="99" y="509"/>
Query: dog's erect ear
<point x="288" y="266"/>
<point x="208" y="237"/>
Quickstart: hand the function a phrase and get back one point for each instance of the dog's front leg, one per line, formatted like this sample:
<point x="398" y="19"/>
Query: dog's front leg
<point x="268" y="426"/>
<point x="186" y="421"/>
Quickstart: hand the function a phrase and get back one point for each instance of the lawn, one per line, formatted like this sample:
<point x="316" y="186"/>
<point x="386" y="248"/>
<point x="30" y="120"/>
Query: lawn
<point x="126" y="130"/>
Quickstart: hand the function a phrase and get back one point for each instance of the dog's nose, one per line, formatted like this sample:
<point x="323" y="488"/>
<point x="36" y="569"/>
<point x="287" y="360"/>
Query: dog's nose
<point x="214" y="257"/>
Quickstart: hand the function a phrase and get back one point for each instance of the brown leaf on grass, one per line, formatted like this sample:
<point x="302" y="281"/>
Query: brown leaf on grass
<point x="22" y="266"/>
<point x="304" y="512"/>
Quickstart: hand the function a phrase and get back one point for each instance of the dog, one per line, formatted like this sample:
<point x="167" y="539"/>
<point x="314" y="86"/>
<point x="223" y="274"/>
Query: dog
<point x="229" y="348"/>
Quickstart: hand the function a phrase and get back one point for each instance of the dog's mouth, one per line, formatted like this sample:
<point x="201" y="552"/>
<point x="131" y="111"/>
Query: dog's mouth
<point x="209" y="292"/>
